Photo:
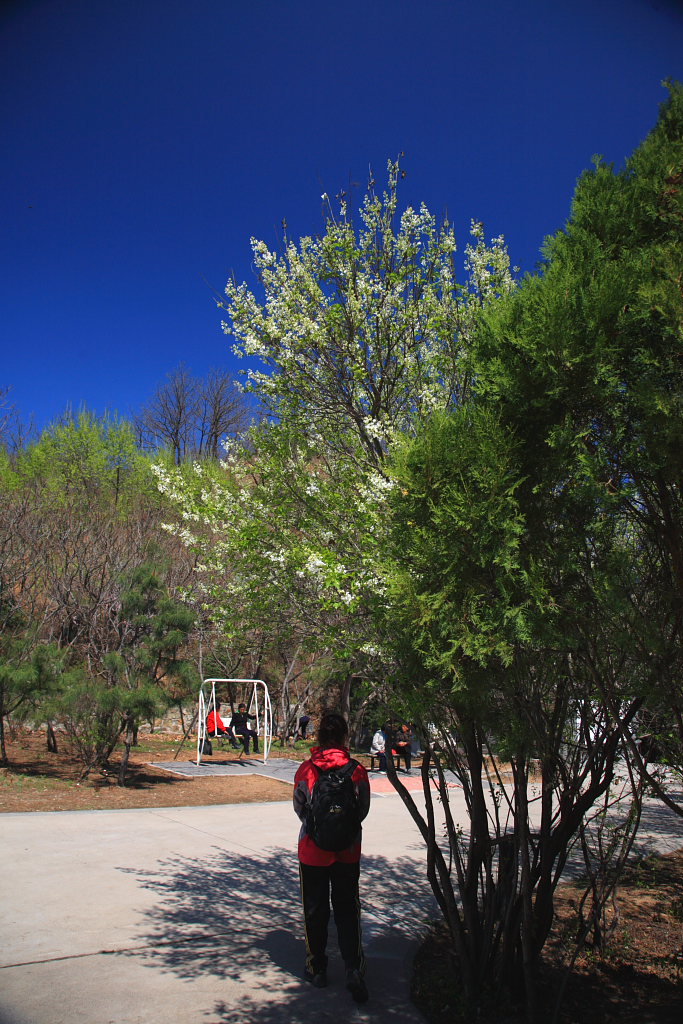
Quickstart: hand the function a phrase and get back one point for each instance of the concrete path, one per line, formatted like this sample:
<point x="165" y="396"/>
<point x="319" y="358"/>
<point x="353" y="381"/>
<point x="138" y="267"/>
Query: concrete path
<point x="281" y="768"/>
<point x="191" y="916"/>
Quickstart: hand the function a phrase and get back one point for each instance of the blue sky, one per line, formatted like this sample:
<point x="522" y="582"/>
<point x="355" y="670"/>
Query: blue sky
<point x="146" y="141"/>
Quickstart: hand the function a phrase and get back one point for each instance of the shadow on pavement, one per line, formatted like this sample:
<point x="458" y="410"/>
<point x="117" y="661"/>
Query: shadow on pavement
<point x="238" y="919"/>
<point x="660" y="829"/>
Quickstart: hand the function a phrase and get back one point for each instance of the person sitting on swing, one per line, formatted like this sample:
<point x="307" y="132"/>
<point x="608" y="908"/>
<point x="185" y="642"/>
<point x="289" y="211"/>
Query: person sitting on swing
<point x="215" y="726"/>
<point x="240" y="724"/>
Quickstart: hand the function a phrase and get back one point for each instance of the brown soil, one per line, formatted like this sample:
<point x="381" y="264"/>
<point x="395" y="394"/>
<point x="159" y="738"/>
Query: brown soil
<point x="37" y="780"/>
<point x="638" y="979"/>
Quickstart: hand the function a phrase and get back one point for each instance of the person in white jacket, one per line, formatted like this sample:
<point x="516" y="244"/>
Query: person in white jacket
<point x="377" y="747"/>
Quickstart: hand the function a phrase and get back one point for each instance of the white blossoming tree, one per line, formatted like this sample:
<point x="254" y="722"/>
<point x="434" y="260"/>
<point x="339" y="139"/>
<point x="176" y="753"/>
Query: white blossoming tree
<point x="361" y="334"/>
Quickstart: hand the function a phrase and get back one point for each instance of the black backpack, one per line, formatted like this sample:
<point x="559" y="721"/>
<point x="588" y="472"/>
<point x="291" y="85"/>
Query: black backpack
<point x="333" y="818"/>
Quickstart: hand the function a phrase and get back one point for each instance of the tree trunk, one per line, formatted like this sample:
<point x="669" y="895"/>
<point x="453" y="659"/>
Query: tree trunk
<point x="345" y="698"/>
<point x="4" y="760"/>
<point x="356" y="724"/>
<point x="51" y="739"/>
<point x="521" y="784"/>
<point x="128" y="743"/>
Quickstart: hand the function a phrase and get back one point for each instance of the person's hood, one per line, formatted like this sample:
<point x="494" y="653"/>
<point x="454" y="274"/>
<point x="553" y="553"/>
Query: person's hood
<point x="330" y="757"/>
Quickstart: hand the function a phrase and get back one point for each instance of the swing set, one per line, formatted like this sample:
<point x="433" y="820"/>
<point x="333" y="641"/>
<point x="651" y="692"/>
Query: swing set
<point x="258" y="705"/>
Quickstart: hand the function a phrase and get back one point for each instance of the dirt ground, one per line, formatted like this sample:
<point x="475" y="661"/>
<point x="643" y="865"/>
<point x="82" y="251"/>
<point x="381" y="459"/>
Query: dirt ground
<point x="37" y="780"/>
<point x="638" y="980"/>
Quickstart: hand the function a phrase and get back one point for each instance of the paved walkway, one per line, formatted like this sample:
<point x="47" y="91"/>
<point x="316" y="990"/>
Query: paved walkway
<point x="283" y="769"/>
<point x="191" y="916"/>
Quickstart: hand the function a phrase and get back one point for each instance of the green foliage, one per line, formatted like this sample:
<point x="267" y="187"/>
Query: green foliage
<point x="90" y="710"/>
<point x="137" y="680"/>
<point x="9" y="479"/>
<point x="157" y="628"/>
<point x="585" y="365"/>
<point x="89" y="462"/>
<point x="17" y="678"/>
<point x="461" y="580"/>
<point x="81" y="518"/>
<point x="537" y="546"/>
<point x="30" y="673"/>
<point x="587" y="356"/>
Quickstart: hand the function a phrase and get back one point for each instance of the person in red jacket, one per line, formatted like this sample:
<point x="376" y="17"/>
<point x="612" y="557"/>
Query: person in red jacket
<point x="215" y="726"/>
<point x="321" y="870"/>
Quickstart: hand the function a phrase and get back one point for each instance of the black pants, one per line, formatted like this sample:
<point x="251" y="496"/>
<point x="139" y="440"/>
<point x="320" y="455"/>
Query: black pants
<point x="245" y="735"/>
<point x="403" y="752"/>
<point x="316" y="883"/>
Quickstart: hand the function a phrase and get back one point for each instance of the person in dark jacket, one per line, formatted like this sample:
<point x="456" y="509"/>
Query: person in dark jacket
<point x="403" y="741"/>
<point x="303" y="726"/>
<point x="323" y="870"/>
<point x="240" y="725"/>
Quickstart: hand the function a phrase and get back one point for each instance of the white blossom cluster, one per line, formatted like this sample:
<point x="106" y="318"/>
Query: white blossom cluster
<point x="360" y="335"/>
<point x="489" y="268"/>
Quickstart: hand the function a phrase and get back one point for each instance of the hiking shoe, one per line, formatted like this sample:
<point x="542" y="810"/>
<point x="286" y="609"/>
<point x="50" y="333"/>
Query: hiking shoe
<point x="356" y="985"/>
<point x="318" y="980"/>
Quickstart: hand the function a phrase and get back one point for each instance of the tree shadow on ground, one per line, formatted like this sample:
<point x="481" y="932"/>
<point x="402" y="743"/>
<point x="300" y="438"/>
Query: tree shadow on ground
<point x="660" y="828"/>
<point x="237" y="919"/>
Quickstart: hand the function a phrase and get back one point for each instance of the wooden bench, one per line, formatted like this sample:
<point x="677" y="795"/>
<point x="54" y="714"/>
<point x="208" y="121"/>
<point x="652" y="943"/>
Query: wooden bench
<point x="415" y="760"/>
<point x="375" y="757"/>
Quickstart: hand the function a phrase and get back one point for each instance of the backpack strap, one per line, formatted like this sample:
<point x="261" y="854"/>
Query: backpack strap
<point x="344" y="769"/>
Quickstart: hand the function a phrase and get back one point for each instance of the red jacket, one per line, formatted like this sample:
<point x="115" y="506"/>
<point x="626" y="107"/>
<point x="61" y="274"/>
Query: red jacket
<point x="214" y="723"/>
<point x="304" y="780"/>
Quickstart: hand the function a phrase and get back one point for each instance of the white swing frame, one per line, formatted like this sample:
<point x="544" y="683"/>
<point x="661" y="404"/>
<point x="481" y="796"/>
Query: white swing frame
<point x="264" y="713"/>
